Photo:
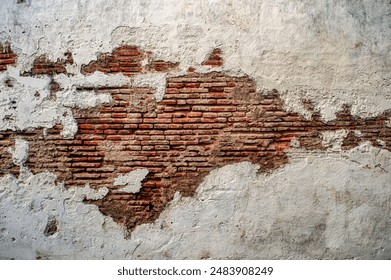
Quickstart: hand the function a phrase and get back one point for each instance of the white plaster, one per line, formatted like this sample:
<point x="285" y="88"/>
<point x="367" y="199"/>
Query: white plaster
<point x="88" y="193"/>
<point x="334" y="206"/>
<point x="156" y="81"/>
<point x="381" y="143"/>
<point x="333" y="139"/>
<point x="20" y="153"/>
<point x="26" y="103"/>
<point x="70" y="127"/>
<point x="131" y="180"/>
<point x="357" y="133"/>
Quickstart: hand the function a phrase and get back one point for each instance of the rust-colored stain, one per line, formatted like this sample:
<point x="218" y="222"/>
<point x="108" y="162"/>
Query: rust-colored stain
<point x="204" y="121"/>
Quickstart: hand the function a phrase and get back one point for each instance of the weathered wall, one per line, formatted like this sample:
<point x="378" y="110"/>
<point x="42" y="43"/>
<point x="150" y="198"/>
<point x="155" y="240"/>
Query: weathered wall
<point x="195" y="129"/>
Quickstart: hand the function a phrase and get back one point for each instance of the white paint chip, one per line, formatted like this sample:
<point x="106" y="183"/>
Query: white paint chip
<point x="131" y="181"/>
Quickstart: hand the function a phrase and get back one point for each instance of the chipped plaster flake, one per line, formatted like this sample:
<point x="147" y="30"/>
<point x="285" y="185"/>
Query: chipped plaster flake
<point x="27" y="103"/>
<point x="83" y="99"/>
<point x="156" y="81"/>
<point x="70" y="127"/>
<point x="358" y="133"/>
<point x="333" y="139"/>
<point x="87" y="193"/>
<point x="20" y="153"/>
<point x="97" y="79"/>
<point x="253" y="215"/>
<point x="131" y="181"/>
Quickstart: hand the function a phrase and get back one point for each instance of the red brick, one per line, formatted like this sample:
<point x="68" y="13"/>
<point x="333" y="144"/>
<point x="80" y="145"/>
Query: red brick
<point x="194" y="114"/>
<point x="177" y="155"/>
<point x="114" y="138"/>
<point x="87" y="126"/>
<point x="145" y="126"/>
<point x="167" y="102"/>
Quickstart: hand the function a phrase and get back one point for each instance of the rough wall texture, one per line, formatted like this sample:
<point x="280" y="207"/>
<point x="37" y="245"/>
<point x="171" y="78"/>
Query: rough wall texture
<point x="266" y="126"/>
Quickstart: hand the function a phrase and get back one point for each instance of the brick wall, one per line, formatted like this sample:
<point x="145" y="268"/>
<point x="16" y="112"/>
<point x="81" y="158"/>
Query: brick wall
<point x="128" y="60"/>
<point x="203" y="122"/>
<point x="214" y="59"/>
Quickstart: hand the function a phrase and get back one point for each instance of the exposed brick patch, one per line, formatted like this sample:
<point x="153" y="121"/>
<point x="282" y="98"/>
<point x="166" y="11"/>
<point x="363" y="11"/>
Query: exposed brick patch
<point x="161" y="66"/>
<point x="127" y="60"/>
<point x="214" y="59"/>
<point x="204" y="121"/>
<point x="43" y="66"/>
<point x="7" y="56"/>
<point x="351" y="140"/>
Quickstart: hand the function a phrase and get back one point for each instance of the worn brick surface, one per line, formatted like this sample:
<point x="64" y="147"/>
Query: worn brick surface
<point x="203" y="122"/>
<point x="214" y="59"/>
<point x="43" y="66"/>
<point x="128" y="60"/>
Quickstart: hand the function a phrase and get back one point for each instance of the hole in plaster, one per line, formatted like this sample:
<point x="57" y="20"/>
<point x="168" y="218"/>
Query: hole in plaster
<point x="41" y="256"/>
<point x="13" y="106"/>
<point x="51" y="226"/>
<point x="9" y="83"/>
<point x="8" y="118"/>
<point x="27" y="2"/>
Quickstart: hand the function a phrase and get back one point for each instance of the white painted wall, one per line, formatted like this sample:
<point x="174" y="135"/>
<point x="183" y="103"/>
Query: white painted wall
<point x="328" y="205"/>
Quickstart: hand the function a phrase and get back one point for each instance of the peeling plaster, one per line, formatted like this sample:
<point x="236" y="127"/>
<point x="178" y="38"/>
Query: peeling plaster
<point x="334" y="139"/>
<point x="28" y="103"/>
<point x="131" y="181"/>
